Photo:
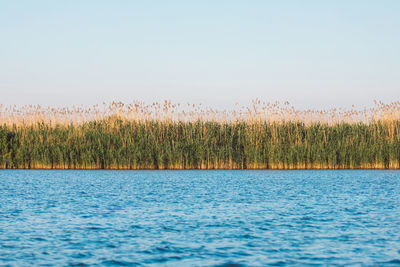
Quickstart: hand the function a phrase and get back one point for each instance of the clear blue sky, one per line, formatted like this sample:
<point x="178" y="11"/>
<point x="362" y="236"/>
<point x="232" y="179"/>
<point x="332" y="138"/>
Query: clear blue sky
<point x="315" y="54"/>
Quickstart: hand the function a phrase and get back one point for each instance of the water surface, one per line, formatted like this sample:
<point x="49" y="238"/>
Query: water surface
<point x="199" y="218"/>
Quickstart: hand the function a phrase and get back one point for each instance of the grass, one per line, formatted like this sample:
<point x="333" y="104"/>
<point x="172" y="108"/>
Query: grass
<point x="169" y="136"/>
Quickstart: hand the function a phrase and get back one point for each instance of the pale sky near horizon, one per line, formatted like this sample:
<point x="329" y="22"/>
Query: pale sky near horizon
<point x="314" y="54"/>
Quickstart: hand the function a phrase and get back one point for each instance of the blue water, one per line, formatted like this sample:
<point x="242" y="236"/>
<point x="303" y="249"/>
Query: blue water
<point x="199" y="218"/>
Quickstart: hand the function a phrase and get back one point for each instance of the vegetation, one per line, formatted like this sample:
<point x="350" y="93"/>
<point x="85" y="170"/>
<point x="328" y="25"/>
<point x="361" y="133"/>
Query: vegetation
<point x="165" y="136"/>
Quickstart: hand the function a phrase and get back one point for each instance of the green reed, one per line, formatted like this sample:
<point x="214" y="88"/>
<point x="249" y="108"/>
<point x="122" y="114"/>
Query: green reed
<point x="121" y="143"/>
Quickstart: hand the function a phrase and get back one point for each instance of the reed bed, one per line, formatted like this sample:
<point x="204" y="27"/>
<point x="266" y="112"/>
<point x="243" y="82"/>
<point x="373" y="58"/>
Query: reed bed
<point x="174" y="136"/>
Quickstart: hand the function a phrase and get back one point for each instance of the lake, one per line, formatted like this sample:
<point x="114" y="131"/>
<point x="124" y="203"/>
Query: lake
<point x="199" y="218"/>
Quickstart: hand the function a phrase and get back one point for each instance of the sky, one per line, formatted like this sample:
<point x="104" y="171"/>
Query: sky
<point x="314" y="54"/>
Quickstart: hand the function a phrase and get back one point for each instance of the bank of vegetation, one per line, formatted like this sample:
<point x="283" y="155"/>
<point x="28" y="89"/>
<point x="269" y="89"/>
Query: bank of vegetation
<point x="167" y="136"/>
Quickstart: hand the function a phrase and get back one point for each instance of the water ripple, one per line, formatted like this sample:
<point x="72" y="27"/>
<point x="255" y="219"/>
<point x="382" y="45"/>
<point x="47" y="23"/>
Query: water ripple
<point x="199" y="218"/>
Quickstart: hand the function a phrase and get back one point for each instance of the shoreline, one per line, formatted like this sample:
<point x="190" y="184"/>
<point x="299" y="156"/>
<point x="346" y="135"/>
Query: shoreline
<point x="200" y="169"/>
